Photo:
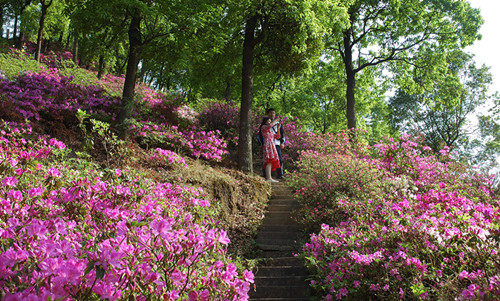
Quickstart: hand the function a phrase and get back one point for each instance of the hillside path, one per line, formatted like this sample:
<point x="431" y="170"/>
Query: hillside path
<point x="281" y="275"/>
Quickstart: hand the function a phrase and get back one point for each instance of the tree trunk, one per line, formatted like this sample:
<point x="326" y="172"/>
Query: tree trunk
<point x="245" y="162"/>
<point x="40" y="29"/>
<point x="75" y="48"/>
<point x="350" y="81"/>
<point x="142" y="74"/>
<point x="227" y="92"/>
<point x="100" y="70"/>
<point x="14" y="35"/>
<point x="135" y="47"/>
<point x="1" y="23"/>
<point x="20" y="40"/>
<point x="68" y="39"/>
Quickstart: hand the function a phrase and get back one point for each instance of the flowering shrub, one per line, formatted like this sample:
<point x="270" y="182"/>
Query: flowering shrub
<point x="48" y="93"/>
<point x="198" y="144"/>
<point x="68" y="237"/>
<point x="57" y="59"/>
<point x="168" y="157"/>
<point x="224" y="117"/>
<point x="403" y="223"/>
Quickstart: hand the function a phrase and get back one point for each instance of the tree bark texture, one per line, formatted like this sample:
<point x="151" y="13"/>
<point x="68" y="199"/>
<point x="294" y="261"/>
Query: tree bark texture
<point x="134" y="55"/>
<point x="75" y="48"/>
<point x="45" y="6"/>
<point x="350" y="81"/>
<point x="245" y="160"/>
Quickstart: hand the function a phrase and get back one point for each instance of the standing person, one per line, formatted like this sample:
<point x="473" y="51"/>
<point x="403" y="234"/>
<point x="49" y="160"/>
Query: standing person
<point x="270" y="159"/>
<point x="279" y="141"/>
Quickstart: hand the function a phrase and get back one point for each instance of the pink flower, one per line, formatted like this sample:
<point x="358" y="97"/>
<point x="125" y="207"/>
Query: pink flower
<point x="248" y="276"/>
<point x="54" y="172"/>
<point x="10" y="181"/>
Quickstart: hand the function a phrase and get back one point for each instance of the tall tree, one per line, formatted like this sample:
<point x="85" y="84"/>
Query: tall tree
<point x="44" y="7"/>
<point x="290" y="33"/>
<point x="400" y="33"/>
<point x="488" y="141"/>
<point x="17" y="8"/>
<point x="443" y="112"/>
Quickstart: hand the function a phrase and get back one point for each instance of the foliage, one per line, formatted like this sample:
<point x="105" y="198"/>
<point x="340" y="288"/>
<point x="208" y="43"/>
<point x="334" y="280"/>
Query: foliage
<point x="18" y="61"/>
<point x="208" y="145"/>
<point x="31" y="95"/>
<point x="410" y="38"/>
<point x="442" y="112"/>
<point x="109" y="236"/>
<point x="403" y="223"/>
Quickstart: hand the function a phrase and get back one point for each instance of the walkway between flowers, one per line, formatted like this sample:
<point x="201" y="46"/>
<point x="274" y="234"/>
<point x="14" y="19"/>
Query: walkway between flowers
<point x="281" y="276"/>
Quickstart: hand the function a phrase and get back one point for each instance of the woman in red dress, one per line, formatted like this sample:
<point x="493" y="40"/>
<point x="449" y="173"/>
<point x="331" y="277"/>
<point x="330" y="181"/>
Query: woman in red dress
<point x="271" y="160"/>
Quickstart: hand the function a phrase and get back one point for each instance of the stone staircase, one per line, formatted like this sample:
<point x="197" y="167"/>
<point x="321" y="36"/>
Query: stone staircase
<point x="281" y="276"/>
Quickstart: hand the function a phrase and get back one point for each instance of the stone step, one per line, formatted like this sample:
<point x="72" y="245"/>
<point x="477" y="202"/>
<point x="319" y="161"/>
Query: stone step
<point x="279" y="214"/>
<point x="280" y="299"/>
<point x="279" y="218"/>
<point x="282" y="291"/>
<point x="281" y="275"/>
<point x="279" y="271"/>
<point x="276" y="247"/>
<point x="278" y="253"/>
<point x="292" y="235"/>
<point x="283" y="206"/>
<point x="283" y="261"/>
<point x="281" y="196"/>
<point x="290" y="202"/>
<point x="277" y="242"/>
<point x="270" y="226"/>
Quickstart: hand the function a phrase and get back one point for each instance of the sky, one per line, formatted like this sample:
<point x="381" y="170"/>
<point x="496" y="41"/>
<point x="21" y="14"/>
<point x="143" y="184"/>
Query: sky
<point x="487" y="50"/>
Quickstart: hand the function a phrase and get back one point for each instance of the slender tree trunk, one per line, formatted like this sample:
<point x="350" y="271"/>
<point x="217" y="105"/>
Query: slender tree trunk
<point x="227" y="92"/>
<point x="142" y="74"/>
<point x="245" y="160"/>
<point x="1" y="23"/>
<point x="135" y="47"/>
<point x="14" y="36"/>
<point x="160" y="79"/>
<point x="40" y="28"/>
<point x="100" y="70"/>
<point x="20" y="40"/>
<point x="75" y="47"/>
<point x="68" y="39"/>
<point x="351" y="81"/>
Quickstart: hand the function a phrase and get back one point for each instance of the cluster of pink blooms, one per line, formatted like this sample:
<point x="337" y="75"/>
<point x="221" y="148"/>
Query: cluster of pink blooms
<point x="47" y="92"/>
<point x="208" y="145"/>
<point x="404" y="223"/>
<point x="68" y="234"/>
<point x="168" y="156"/>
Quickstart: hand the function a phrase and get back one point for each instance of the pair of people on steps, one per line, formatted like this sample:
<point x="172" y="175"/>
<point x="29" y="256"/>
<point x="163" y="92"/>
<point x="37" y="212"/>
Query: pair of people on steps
<point x="273" y="139"/>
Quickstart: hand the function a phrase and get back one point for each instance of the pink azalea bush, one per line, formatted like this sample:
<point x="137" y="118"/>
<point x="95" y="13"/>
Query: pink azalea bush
<point x="193" y="142"/>
<point x="168" y="157"/>
<point x="72" y="234"/>
<point x="396" y="221"/>
<point x="51" y="96"/>
<point x="47" y="93"/>
<point x="224" y="117"/>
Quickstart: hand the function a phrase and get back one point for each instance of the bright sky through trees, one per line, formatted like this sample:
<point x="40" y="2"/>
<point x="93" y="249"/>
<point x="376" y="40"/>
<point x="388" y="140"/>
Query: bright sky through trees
<point x="487" y="49"/>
